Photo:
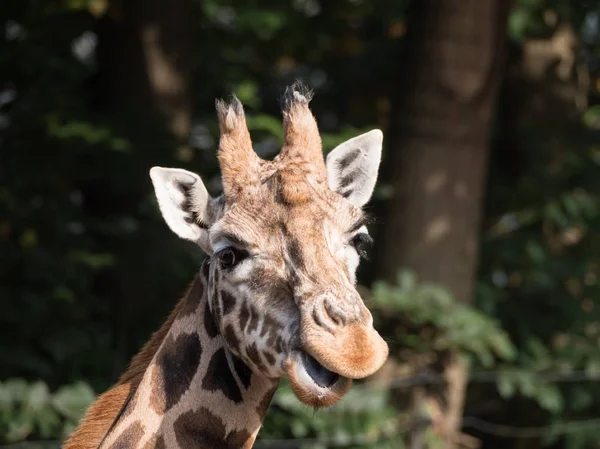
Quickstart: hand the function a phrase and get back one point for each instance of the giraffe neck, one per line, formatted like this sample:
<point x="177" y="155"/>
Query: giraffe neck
<point x="194" y="392"/>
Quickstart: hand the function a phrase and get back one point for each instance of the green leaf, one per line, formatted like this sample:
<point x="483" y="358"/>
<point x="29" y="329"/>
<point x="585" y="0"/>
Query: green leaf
<point x="37" y="398"/>
<point x="517" y="23"/>
<point x="72" y="400"/>
<point x="549" y="398"/>
<point x="592" y="117"/>
<point x="506" y="386"/>
<point x="268" y="123"/>
<point x="407" y="280"/>
<point x="247" y="92"/>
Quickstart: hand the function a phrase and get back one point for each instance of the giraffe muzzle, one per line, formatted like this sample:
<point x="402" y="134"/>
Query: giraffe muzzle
<point x="335" y="347"/>
<point x="340" y="336"/>
<point x="354" y="350"/>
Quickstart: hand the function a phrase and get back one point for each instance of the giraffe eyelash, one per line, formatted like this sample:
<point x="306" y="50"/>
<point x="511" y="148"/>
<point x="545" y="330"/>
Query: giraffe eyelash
<point x="230" y="256"/>
<point x="221" y="245"/>
<point x="365" y="220"/>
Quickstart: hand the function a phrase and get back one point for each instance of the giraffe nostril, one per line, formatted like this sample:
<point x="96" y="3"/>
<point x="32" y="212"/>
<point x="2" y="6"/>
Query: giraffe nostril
<point x="318" y="318"/>
<point x="335" y="313"/>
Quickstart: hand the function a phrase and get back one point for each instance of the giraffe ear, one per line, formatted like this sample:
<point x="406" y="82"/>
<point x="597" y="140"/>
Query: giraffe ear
<point x="352" y="167"/>
<point x="184" y="203"/>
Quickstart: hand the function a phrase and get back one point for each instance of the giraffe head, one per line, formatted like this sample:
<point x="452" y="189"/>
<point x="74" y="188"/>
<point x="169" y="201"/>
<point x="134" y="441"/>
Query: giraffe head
<point x="284" y="242"/>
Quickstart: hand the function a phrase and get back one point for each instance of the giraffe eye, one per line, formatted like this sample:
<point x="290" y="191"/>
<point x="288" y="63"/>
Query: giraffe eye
<point x="230" y="257"/>
<point x="361" y="243"/>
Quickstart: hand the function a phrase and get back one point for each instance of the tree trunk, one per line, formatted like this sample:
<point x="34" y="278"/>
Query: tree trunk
<point x="437" y="153"/>
<point x="144" y="58"/>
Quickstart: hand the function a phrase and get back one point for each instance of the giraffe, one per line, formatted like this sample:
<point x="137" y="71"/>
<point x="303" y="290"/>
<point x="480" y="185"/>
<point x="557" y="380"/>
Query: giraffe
<point x="275" y="296"/>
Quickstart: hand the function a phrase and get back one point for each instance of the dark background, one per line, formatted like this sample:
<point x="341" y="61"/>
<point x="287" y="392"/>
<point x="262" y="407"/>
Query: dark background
<point x="484" y="276"/>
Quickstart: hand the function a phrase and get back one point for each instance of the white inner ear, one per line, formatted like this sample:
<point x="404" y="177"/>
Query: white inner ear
<point x="184" y="203"/>
<point x="353" y="165"/>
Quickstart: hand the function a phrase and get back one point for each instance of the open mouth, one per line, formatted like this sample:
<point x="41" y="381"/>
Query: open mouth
<point x="317" y="372"/>
<point x="314" y="384"/>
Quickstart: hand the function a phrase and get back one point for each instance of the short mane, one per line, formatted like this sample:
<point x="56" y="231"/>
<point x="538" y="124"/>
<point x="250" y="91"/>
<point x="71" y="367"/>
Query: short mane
<point x="103" y="412"/>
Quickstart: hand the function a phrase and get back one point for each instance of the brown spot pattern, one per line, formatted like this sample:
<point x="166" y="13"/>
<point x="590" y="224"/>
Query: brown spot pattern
<point x="295" y="252"/>
<point x="156" y="442"/>
<point x="244" y="315"/>
<point x="244" y="373"/>
<point x="192" y="301"/>
<point x="279" y="344"/>
<point x="202" y="429"/>
<point x="254" y="317"/>
<point x="209" y="323"/>
<point x="130" y="436"/>
<point x="263" y="406"/>
<point x="255" y="357"/>
<point x="129" y="406"/>
<point x="263" y="278"/>
<point x="219" y="377"/>
<point x="176" y="366"/>
<point x="270" y="326"/>
<point x="228" y="302"/>
<point x="231" y="338"/>
<point x="160" y="443"/>
<point x="270" y="358"/>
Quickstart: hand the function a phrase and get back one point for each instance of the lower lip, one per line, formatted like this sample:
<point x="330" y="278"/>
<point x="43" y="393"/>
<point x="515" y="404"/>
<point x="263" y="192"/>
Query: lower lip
<point x="329" y="377"/>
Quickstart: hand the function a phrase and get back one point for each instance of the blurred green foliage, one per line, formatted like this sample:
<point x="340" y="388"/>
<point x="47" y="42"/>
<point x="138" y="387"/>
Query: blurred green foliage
<point x="450" y="324"/>
<point x="30" y="410"/>
<point x="88" y="269"/>
<point x="363" y="419"/>
<point x="82" y="246"/>
<point x="539" y="249"/>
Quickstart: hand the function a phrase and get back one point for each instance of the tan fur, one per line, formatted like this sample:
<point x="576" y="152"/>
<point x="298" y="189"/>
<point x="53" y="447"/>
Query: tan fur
<point x="355" y="351"/>
<point x="237" y="159"/>
<point x="302" y="145"/>
<point x="299" y="289"/>
<point x="293" y="187"/>
<point x="234" y="422"/>
<point x="102" y="413"/>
